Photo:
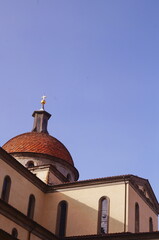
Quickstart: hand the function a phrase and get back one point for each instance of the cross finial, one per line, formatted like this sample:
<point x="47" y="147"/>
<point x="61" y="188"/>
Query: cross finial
<point x="43" y="101"/>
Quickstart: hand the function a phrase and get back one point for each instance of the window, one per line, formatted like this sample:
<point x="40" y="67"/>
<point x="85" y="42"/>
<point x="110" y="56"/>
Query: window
<point x="6" y="189"/>
<point x="31" y="206"/>
<point x="150" y="225"/>
<point x="68" y="177"/>
<point x="103" y="215"/>
<point x="137" y="218"/>
<point x="61" y="219"/>
<point x="38" y="124"/>
<point x="144" y="191"/>
<point x="30" y="164"/>
<point x="14" y="232"/>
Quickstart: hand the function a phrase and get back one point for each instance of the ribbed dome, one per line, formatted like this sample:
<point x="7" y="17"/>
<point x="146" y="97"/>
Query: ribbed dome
<point x="36" y="142"/>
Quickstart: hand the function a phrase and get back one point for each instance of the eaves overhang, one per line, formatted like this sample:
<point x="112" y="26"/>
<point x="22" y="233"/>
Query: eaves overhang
<point x="118" y="236"/>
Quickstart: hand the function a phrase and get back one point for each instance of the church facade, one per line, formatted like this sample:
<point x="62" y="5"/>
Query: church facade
<point x="41" y="197"/>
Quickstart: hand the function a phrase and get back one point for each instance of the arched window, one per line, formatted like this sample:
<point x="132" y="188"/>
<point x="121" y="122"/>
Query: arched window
<point x="14" y="232"/>
<point x="61" y="219"/>
<point x="68" y="177"/>
<point x="30" y="164"/>
<point x="150" y="225"/>
<point x="103" y="215"/>
<point x="6" y="189"/>
<point x="31" y="206"/>
<point x="137" y="218"/>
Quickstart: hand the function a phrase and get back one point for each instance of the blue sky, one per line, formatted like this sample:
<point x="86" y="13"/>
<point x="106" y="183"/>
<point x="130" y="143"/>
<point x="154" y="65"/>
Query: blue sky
<point x="97" y="61"/>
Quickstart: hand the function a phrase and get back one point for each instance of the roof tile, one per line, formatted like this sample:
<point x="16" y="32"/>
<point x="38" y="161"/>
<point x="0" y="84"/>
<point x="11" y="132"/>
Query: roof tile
<point x="38" y="143"/>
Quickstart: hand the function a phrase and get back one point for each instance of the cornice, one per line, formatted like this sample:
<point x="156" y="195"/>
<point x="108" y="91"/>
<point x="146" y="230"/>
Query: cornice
<point x="6" y="236"/>
<point x="154" y="204"/>
<point x="90" y="182"/>
<point x="118" y="236"/>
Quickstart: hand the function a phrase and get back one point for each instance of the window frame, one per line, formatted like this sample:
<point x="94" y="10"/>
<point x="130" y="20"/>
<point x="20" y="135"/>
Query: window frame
<point x="68" y="177"/>
<point x="31" y="206"/>
<point x="100" y="210"/>
<point x="6" y="188"/>
<point x="61" y="224"/>
<point x="14" y="232"/>
<point x="30" y="164"/>
<point x="150" y="224"/>
<point x="137" y="218"/>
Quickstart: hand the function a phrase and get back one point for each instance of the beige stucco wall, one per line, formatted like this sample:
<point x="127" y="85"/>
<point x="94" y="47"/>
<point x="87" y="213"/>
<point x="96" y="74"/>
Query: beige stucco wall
<point x="53" y="179"/>
<point x="33" y="237"/>
<point x="83" y="203"/>
<point x="42" y="174"/>
<point x="39" y="161"/>
<point x="21" y="188"/>
<point x="144" y="210"/>
<point x="46" y="175"/>
<point x="7" y="225"/>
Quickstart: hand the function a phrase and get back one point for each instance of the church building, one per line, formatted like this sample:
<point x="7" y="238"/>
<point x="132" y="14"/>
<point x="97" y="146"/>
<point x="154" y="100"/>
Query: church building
<point x="41" y="197"/>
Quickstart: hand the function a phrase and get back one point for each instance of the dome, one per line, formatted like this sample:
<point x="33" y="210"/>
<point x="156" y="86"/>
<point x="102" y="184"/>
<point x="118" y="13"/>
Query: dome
<point x="38" y="142"/>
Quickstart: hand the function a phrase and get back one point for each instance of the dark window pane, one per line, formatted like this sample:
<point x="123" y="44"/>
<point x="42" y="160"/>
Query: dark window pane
<point x="30" y="164"/>
<point x="15" y="233"/>
<point x="6" y="189"/>
<point x="103" y="215"/>
<point x="137" y="218"/>
<point x="62" y="212"/>
<point x="150" y="225"/>
<point x="31" y="206"/>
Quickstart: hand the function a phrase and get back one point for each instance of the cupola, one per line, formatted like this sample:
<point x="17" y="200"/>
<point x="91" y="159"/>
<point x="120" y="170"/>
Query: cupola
<point x="38" y="150"/>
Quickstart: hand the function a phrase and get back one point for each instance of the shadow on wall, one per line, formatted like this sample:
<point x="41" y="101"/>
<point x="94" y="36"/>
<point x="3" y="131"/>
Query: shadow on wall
<point x="81" y="218"/>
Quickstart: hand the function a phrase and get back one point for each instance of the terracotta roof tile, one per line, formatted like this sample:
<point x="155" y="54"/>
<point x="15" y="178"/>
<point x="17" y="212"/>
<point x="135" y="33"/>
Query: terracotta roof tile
<point x="38" y="143"/>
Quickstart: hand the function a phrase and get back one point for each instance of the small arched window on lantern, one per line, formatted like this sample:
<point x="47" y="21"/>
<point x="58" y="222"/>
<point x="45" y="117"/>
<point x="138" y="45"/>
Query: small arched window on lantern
<point x="137" y="218"/>
<point x="6" y="189"/>
<point x="61" y="219"/>
<point x="103" y="215"/>
<point x="31" y="206"/>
